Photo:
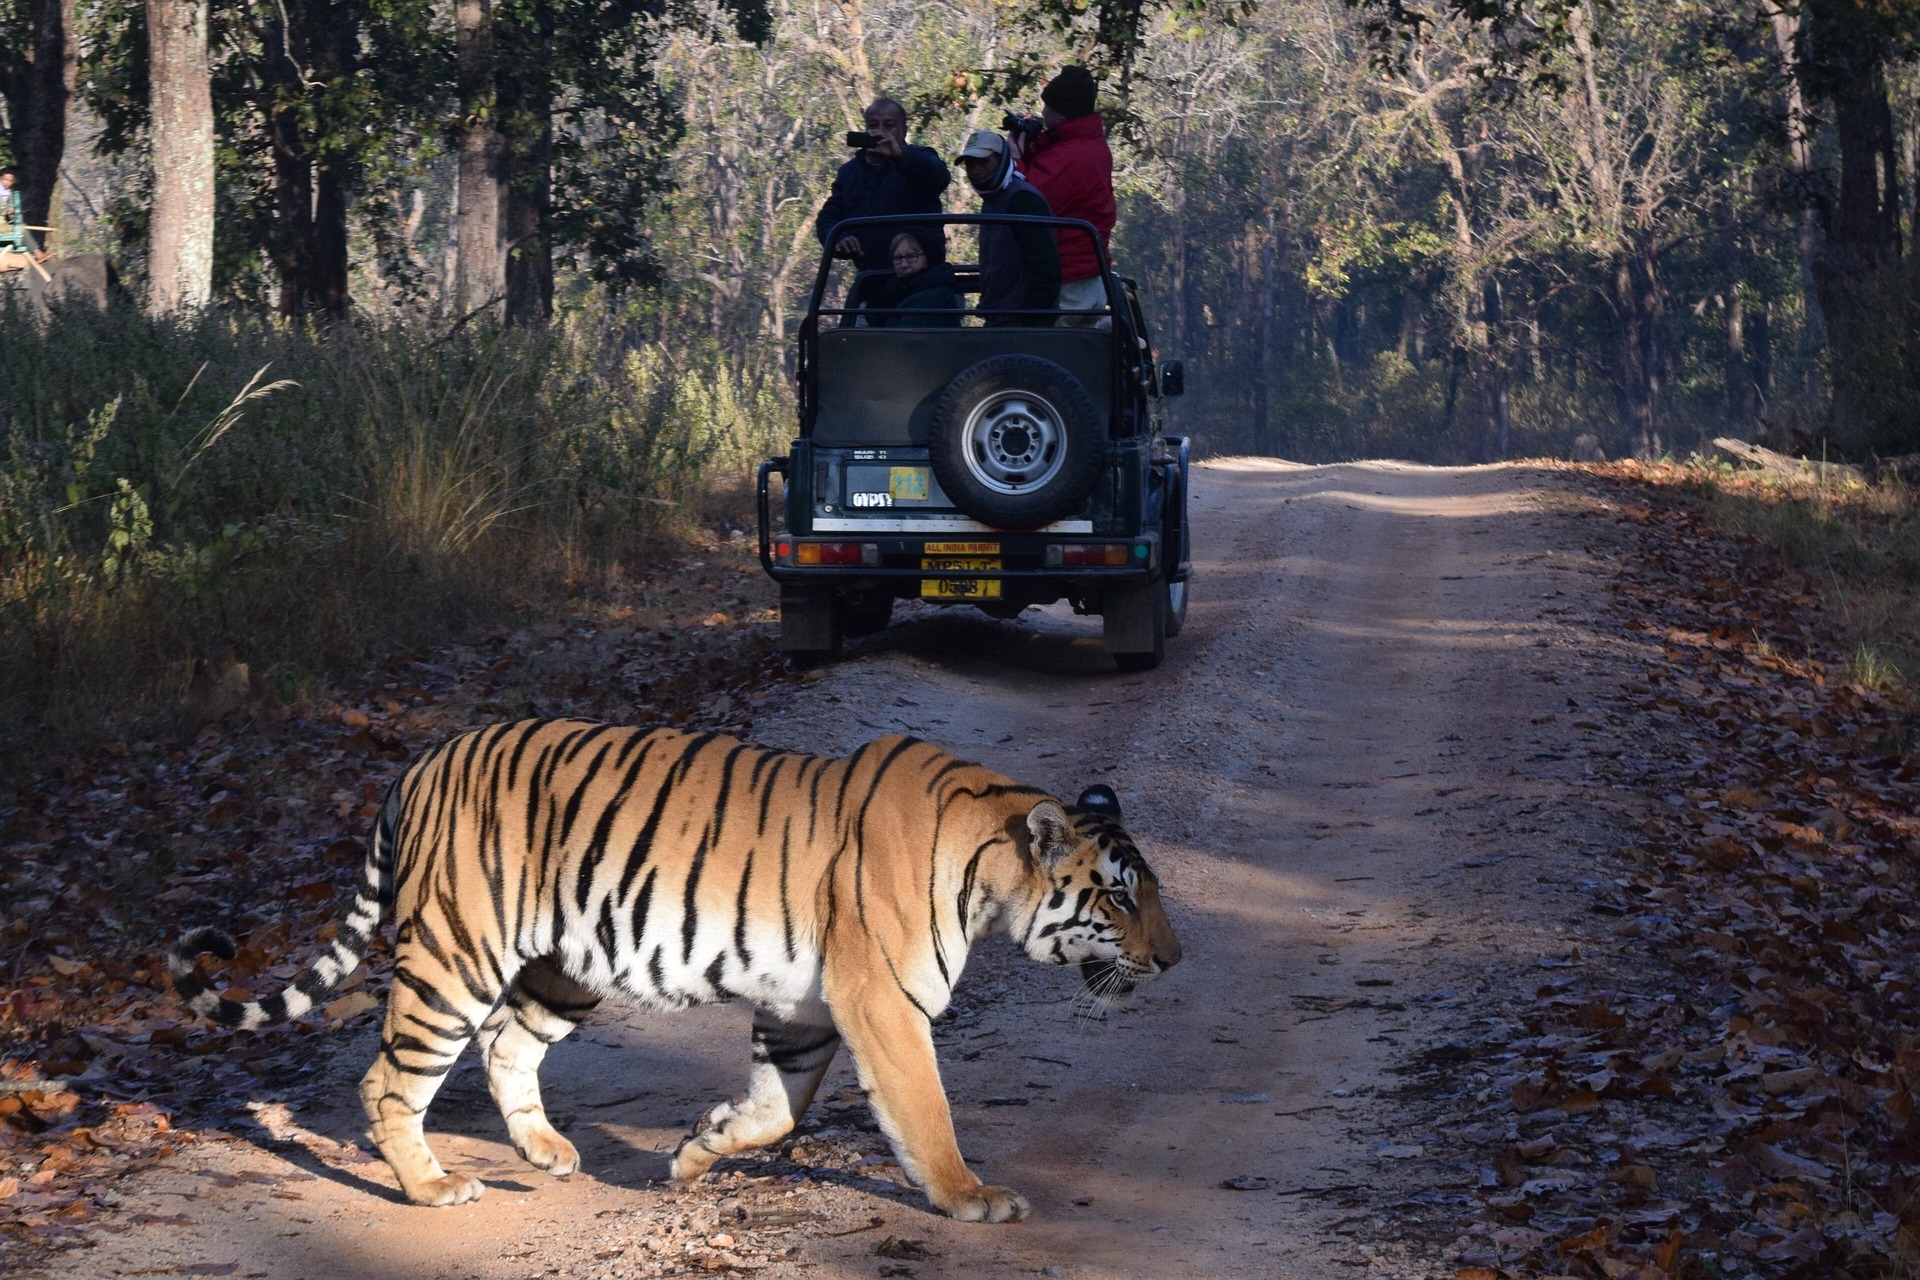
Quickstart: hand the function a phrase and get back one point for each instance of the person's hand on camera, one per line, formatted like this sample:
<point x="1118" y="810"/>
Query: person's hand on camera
<point x="847" y="247"/>
<point x="888" y="128"/>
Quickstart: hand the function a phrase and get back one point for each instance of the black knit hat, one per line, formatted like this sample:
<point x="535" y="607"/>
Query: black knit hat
<point x="1070" y="93"/>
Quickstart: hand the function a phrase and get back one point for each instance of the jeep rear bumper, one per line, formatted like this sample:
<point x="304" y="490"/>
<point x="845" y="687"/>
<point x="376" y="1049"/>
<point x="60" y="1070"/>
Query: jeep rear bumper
<point x="896" y="553"/>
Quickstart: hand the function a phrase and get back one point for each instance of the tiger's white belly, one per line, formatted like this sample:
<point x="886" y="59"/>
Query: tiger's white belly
<point x="667" y="966"/>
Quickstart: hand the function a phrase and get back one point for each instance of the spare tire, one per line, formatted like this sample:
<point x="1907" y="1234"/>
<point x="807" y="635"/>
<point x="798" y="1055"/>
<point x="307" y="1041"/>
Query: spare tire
<point x="1016" y="441"/>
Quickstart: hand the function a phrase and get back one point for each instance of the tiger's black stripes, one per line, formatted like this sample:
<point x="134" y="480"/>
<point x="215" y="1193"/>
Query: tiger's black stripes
<point x="794" y="1049"/>
<point x="533" y="869"/>
<point x="740" y="949"/>
<point x="786" y="901"/>
<point x="689" y="917"/>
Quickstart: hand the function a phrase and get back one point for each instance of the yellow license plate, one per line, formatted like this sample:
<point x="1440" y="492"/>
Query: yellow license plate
<point x="908" y="484"/>
<point x="964" y="549"/>
<point x="959" y="588"/>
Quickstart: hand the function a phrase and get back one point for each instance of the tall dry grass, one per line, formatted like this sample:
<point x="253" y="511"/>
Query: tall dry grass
<point x="310" y="499"/>
<point x="1859" y="544"/>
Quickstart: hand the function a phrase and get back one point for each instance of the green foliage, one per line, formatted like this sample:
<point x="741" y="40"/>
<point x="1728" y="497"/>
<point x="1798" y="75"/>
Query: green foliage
<point x="365" y="92"/>
<point x="164" y="496"/>
<point x="613" y="128"/>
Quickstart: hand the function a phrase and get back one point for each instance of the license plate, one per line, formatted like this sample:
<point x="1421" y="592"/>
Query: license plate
<point x="908" y="484"/>
<point x="964" y="549"/>
<point x="959" y="588"/>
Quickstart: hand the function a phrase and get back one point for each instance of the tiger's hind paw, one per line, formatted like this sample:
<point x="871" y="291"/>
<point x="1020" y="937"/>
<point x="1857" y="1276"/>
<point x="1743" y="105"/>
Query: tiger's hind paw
<point x="691" y="1160"/>
<point x="452" y="1188"/>
<point x="985" y="1204"/>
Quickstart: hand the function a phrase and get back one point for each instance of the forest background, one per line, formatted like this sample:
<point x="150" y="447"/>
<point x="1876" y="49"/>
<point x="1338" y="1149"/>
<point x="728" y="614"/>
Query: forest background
<point x="421" y="303"/>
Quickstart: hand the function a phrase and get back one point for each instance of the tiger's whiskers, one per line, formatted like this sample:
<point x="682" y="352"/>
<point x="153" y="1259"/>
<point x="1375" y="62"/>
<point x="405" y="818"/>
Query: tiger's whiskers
<point x="1099" y="993"/>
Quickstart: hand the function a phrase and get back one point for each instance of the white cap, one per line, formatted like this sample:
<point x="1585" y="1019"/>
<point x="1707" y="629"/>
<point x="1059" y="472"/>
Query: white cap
<point x="982" y="144"/>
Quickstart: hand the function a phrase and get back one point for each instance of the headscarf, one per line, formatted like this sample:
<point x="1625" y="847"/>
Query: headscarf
<point x="1004" y="173"/>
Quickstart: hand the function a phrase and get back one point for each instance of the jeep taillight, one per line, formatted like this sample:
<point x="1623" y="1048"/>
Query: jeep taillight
<point x="1096" y="555"/>
<point x="825" y="553"/>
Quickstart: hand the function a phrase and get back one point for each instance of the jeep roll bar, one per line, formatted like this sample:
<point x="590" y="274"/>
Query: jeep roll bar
<point x="1130" y="348"/>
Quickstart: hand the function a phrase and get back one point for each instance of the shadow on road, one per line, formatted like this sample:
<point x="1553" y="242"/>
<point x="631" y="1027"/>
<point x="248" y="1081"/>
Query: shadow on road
<point x="1043" y="640"/>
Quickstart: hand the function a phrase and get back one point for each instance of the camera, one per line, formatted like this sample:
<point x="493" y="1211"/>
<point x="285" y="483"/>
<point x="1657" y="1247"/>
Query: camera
<point x="860" y="141"/>
<point x="1025" y="127"/>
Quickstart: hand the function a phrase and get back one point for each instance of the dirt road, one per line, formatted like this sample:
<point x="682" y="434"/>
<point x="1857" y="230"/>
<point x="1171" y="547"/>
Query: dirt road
<point x="1364" y="775"/>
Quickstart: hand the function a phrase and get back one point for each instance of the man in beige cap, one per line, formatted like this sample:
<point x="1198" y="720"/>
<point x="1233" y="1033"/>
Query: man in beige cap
<point x="1019" y="265"/>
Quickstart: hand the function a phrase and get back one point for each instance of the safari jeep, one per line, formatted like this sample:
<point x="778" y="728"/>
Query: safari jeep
<point x="989" y="461"/>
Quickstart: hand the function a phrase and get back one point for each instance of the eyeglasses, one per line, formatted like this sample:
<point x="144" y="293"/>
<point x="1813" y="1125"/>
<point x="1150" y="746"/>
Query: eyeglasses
<point x="899" y="258"/>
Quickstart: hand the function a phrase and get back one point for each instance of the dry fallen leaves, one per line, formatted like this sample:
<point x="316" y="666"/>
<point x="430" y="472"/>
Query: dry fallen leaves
<point x="258" y="826"/>
<point x="1741" y="1096"/>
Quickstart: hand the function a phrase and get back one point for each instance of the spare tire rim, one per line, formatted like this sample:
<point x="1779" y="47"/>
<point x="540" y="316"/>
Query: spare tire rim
<point x="1015" y="442"/>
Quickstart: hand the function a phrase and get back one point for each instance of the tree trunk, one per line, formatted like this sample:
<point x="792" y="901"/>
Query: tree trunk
<point x="1800" y="129"/>
<point x="1177" y="273"/>
<point x="480" y="283"/>
<point x="529" y="198"/>
<point x="1734" y="373"/>
<point x="480" y="279"/>
<point x="180" y="249"/>
<point x="40" y="133"/>
<point x="309" y="247"/>
<point x="292" y="209"/>
<point x="1863" y="239"/>
<point x="1246" y="332"/>
<point x="1502" y="422"/>
<point x="1636" y="301"/>
<point x="450" y="252"/>
<point x="1263" y="443"/>
<point x="327" y="264"/>
<point x="1409" y="335"/>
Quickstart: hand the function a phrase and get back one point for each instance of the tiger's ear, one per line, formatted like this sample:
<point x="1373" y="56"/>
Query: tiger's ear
<point x="1099" y="798"/>
<point x="1053" y="837"/>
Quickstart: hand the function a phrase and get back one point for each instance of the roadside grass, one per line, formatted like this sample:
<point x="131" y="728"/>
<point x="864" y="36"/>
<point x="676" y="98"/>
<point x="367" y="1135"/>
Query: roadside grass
<point x="1859" y="543"/>
<point x="192" y="495"/>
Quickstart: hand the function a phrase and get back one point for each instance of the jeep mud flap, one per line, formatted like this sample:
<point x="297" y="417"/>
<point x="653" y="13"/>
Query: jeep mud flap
<point x="1130" y="621"/>
<point x="809" y="622"/>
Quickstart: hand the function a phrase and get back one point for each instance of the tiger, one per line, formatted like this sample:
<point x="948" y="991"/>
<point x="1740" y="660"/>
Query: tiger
<point x="535" y="868"/>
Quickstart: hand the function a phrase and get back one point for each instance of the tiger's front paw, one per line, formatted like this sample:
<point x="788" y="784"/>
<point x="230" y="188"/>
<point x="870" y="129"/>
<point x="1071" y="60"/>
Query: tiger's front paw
<point x="985" y="1204"/>
<point x="544" y="1149"/>
<point x="452" y="1188"/>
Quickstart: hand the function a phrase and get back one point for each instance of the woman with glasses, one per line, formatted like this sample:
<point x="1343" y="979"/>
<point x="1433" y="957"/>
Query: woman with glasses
<point x="918" y="284"/>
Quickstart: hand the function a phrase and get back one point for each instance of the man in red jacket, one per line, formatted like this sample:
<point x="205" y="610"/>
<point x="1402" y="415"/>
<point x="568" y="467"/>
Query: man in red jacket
<point x="1070" y="165"/>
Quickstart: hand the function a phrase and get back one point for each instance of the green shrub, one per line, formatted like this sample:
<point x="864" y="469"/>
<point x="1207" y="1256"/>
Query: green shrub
<point x="308" y="498"/>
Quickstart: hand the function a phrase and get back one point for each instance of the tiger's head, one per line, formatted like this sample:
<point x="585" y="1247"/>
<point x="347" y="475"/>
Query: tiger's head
<point x="1100" y="908"/>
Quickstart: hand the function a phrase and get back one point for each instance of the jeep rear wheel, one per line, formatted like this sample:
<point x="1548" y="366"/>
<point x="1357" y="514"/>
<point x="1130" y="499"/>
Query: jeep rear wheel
<point x="1015" y="441"/>
<point x="1176" y="607"/>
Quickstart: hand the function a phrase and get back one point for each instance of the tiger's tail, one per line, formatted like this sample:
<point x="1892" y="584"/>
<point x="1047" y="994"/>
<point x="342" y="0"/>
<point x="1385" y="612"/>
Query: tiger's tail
<point x="323" y="975"/>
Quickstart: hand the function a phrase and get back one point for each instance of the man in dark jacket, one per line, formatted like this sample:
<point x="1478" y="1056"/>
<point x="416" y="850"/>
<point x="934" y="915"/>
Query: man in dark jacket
<point x="1019" y="266"/>
<point x="1070" y="164"/>
<point x="888" y="178"/>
